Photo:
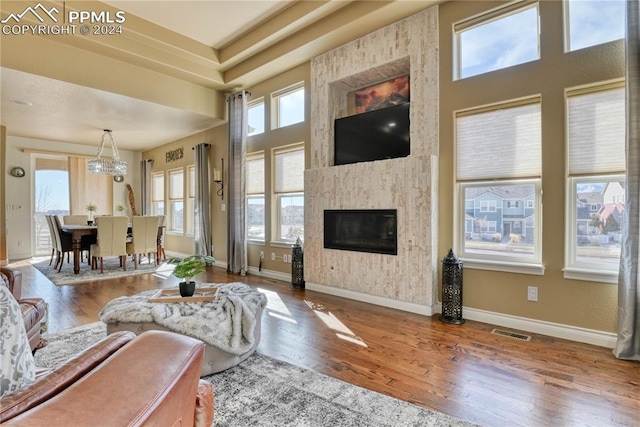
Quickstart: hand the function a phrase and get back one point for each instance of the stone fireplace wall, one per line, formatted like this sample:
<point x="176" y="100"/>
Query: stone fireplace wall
<point x="408" y="280"/>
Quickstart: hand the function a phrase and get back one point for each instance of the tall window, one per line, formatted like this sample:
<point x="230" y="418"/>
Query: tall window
<point x="176" y="200"/>
<point x="289" y="192"/>
<point x="287" y="106"/>
<point x="498" y="171"/>
<point x="255" y="197"/>
<point x="191" y="197"/>
<point x="157" y="193"/>
<point x="503" y="38"/>
<point x="596" y="165"/>
<point x="589" y="23"/>
<point x="255" y="120"/>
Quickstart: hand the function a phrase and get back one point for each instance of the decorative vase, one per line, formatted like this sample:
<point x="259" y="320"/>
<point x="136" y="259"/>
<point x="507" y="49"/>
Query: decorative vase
<point x="187" y="289"/>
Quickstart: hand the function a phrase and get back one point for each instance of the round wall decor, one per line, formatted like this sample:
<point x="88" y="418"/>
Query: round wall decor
<point x="18" y="172"/>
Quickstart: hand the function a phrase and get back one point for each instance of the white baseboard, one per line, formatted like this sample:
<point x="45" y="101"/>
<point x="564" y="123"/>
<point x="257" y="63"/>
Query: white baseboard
<point x="557" y="330"/>
<point x="372" y="299"/>
<point x="270" y="274"/>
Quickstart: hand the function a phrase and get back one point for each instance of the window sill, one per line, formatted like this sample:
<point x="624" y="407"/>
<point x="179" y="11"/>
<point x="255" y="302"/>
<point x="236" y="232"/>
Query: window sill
<point x="508" y="267"/>
<point x="588" y="275"/>
<point x="255" y="242"/>
<point x="280" y="244"/>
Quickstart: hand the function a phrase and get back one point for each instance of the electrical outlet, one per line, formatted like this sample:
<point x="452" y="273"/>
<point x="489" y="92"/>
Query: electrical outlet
<point x="261" y="255"/>
<point x="532" y="293"/>
<point x="223" y="207"/>
<point x="273" y="256"/>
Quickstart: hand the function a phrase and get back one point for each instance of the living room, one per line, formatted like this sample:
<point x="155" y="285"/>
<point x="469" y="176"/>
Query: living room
<point x="579" y="307"/>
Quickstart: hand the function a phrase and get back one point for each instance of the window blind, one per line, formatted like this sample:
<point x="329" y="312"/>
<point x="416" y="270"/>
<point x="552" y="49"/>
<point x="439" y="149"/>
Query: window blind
<point x="596" y="132"/>
<point x="176" y="189"/>
<point x="255" y="175"/>
<point x="289" y="174"/>
<point x="158" y="188"/>
<point x="499" y="143"/>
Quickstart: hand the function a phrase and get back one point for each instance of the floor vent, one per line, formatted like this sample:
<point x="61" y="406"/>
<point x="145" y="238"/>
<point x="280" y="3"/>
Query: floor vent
<point x="520" y="337"/>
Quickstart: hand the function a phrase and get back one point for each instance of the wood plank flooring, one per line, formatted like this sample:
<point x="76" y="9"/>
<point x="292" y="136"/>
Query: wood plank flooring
<point x="464" y="370"/>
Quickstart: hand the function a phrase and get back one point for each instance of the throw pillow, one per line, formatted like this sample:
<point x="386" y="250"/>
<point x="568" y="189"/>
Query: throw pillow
<point x="17" y="367"/>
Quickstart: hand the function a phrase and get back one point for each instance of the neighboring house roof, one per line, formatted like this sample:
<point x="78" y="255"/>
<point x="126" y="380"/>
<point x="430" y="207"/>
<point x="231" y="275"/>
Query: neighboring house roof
<point x="515" y="192"/>
<point x="591" y="197"/>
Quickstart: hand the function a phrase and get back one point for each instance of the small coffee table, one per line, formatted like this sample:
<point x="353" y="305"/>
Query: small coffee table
<point x="208" y="321"/>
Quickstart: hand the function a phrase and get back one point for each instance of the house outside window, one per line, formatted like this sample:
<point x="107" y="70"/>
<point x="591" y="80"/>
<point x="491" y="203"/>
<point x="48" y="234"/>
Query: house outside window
<point x="255" y="117"/>
<point x="176" y="200"/>
<point x="590" y="23"/>
<point x="505" y="37"/>
<point x="289" y="192"/>
<point x="157" y="193"/>
<point x="498" y="173"/>
<point x="595" y="193"/>
<point x="255" y="197"/>
<point x="287" y="106"/>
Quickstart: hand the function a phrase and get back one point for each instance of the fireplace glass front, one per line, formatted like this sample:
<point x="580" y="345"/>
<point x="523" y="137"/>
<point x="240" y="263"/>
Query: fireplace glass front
<point x="366" y="230"/>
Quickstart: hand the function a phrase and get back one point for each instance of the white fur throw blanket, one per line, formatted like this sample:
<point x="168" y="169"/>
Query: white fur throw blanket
<point x="228" y="322"/>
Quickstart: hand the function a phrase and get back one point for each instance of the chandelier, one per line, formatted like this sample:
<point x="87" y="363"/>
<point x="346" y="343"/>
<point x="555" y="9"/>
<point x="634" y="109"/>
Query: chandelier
<point x="107" y="165"/>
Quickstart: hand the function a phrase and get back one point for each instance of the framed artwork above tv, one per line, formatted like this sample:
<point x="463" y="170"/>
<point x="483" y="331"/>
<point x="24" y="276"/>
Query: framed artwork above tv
<point x="382" y="95"/>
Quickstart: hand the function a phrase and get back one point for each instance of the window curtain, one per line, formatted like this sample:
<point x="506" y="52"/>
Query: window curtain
<point x="628" y="343"/>
<point x="145" y="179"/>
<point x="236" y="188"/>
<point x="202" y="201"/>
<point x="85" y="188"/>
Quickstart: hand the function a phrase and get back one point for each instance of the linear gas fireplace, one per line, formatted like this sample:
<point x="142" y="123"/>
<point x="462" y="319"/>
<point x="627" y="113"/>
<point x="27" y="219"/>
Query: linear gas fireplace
<point x="370" y="230"/>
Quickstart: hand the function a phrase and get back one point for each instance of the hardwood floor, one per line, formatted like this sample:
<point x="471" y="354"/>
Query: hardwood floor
<point x="464" y="370"/>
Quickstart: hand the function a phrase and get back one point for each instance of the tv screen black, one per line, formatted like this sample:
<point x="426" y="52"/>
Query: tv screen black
<point x="374" y="135"/>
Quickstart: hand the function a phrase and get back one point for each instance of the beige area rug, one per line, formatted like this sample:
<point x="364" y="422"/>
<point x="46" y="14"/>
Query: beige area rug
<point x="112" y="270"/>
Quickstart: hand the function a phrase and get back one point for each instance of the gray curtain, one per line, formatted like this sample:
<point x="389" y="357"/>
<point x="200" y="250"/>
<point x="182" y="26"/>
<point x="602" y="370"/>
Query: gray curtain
<point x="202" y="202"/>
<point x="236" y="189"/>
<point x="145" y="180"/>
<point x="628" y="343"/>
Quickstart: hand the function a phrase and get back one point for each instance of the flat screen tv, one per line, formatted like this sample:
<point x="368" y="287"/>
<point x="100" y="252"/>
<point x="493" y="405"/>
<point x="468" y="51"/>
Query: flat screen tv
<point x="374" y="135"/>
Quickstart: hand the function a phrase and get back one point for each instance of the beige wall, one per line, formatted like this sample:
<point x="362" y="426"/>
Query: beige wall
<point x="583" y="304"/>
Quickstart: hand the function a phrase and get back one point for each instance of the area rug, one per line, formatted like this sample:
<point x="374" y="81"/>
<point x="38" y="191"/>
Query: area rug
<point x="112" y="270"/>
<point x="263" y="391"/>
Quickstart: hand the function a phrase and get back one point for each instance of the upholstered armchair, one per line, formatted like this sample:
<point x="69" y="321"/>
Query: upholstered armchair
<point x="144" y="231"/>
<point x="112" y="241"/>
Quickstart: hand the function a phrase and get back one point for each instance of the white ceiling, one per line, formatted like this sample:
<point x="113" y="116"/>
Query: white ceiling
<point x="217" y="45"/>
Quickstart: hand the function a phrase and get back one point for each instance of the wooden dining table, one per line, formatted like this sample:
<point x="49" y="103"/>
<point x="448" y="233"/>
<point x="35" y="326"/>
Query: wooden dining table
<point x="77" y="231"/>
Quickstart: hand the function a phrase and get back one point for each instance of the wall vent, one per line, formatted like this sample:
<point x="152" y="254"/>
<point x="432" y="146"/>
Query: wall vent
<point x="517" y="336"/>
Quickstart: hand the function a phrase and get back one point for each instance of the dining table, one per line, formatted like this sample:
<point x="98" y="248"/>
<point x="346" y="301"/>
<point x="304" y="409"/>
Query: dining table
<point x="77" y="231"/>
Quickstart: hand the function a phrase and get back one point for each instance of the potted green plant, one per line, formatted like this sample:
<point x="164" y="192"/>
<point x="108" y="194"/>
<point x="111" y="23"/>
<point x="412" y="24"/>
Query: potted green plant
<point x="187" y="268"/>
<point x="91" y="208"/>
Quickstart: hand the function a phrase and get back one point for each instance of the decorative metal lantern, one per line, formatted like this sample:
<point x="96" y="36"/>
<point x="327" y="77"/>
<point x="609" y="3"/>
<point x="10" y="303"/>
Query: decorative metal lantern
<point x="297" y="265"/>
<point x="452" y="289"/>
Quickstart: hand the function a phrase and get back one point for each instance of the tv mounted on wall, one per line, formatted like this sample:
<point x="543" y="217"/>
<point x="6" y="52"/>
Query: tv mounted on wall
<point x="374" y="135"/>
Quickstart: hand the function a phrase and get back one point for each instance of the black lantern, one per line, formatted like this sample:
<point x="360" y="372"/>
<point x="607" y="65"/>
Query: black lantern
<point x="452" y="289"/>
<point x="297" y="265"/>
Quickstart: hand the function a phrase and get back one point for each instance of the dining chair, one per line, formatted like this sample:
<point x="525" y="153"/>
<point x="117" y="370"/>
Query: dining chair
<point x="63" y="242"/>
<point x="75" y="219"/>
<point x="112" y="241"/>
<point x="52" y="236"/>
<point x="144" y="238"/>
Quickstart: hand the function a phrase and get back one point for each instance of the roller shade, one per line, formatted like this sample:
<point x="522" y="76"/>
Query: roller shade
<point x="255" y="175"/>
<point x="158" y="188"/>
<point x="289" y="175"/>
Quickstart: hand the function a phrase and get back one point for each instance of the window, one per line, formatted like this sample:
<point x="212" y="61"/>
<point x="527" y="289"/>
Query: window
<point x="255" y="120"/>
<point x="506" y="37"/>
<point x="176" y="200"/>
<point x="157" y="194"/>
<point x="596" y="165"/>
<point x="288" y="106"/>
<point x="255" y="197"/>
<point x="589" y="23"/>
<point x="498" y="168"/>
<point x="289" y="192"/>
<point x="191" y="197"/>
